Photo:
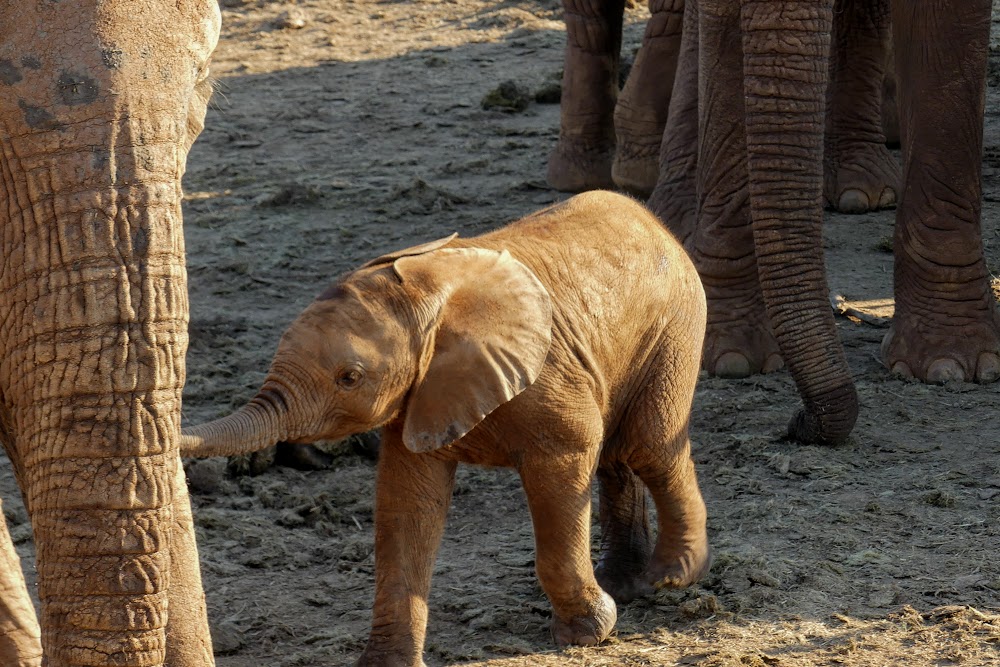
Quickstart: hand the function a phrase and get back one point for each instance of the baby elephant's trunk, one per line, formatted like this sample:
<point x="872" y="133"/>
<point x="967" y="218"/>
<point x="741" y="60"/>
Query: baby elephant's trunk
<point x="262" y="422"/>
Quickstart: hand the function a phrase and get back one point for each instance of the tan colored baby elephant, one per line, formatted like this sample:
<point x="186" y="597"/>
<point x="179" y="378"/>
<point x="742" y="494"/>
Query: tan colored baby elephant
<point x="564" y="343"/>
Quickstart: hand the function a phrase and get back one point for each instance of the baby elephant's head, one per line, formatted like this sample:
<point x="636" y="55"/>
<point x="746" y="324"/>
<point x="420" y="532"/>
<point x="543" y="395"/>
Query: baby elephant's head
<point x="438" y="337"/>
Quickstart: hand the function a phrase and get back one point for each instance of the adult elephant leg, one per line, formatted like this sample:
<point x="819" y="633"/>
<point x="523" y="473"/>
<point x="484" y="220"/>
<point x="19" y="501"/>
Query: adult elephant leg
<point x="675" y="197"/>
<point x="738" y="340"/>
<point x="786" y="46"/>
<point x="860" y="173"/>
<point x="946" y="325"/>
<point x="582" y="158"/>
<point x="641" y="112"/>
<point x="20" y="637"/>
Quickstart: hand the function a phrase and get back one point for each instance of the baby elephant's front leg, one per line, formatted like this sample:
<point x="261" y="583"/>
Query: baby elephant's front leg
<point x="559" y="500"/>
<point x="411" y="502"/>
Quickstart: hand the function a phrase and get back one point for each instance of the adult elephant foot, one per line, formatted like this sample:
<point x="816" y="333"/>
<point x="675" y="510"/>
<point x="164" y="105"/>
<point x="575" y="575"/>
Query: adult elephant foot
<point x="637" y="163"/>
<point x="860" y="176"/>
<point x="578" y="166"/>
<point x="740" y="347"/>
<point x="943" y="349"/>
<point x="589" y="628"/>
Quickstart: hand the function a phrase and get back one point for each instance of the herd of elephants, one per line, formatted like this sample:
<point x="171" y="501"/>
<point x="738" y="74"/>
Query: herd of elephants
<point x="564" y="345"/>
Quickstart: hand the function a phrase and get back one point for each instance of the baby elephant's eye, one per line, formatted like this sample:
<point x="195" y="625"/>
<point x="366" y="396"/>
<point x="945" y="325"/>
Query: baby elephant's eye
<point x="349" y="378"/>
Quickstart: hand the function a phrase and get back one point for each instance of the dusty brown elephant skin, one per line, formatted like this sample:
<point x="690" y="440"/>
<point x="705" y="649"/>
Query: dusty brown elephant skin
<point x="565" y="343"/>
<point x="752" y="194"/>
<point x="99" y="103"/>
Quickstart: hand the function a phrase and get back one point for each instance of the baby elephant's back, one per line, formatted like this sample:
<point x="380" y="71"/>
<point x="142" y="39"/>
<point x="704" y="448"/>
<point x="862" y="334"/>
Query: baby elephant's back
<point x="620" y="283"/>
<point x="605" y="252"/>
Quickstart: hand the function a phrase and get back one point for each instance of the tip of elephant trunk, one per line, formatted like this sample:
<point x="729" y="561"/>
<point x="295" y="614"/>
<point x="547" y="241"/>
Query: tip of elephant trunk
<point x="259" y="424"/>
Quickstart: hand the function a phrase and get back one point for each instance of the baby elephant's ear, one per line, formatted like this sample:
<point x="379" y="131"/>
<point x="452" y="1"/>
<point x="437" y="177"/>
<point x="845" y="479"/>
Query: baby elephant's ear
<point x="487" y="340"/>
<point x="414" y="250"/>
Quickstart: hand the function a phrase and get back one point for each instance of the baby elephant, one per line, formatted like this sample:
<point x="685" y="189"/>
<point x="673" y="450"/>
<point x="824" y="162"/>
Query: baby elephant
<point x="564" y="343"/>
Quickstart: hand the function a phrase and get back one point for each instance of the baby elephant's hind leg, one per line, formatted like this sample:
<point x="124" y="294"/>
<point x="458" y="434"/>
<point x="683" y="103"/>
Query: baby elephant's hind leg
<point x="626" y="539"/>
<point x="658" y="449"/>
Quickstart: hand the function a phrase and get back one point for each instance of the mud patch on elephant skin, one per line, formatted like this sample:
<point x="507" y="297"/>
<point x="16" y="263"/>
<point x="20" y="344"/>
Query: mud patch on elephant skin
<point x="38" y="118"/>
<point x="75" y="89"/>
<point x="9" y="73"/>
<point x="31" y="62"/>
<point x="140" y="241"/>
<point x="113" y="58"/>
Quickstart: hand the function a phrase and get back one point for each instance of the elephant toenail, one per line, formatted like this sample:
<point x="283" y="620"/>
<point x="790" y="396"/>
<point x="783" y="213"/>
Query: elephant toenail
<point x="732" y="365"/>
<point x="853" y="200"/>
<point x="887" y="199"/>
<point x="945" y="370"/>
<point x="773" y="363"/>
<point x="988" y="367"/>
<point x="902" y="369"/>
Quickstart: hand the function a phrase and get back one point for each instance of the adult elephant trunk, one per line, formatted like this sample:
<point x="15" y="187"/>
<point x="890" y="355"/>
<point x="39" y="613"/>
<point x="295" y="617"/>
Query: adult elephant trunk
<point x="93" y="374"/>
<point x="278" y="412"/>
<point x="786" y="53"/>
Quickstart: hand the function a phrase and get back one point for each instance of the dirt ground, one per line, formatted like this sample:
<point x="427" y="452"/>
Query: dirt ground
<point x="345" y="128"/>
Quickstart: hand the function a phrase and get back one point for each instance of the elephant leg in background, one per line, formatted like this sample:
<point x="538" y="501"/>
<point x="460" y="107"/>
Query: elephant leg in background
<point x="946" y="325"/>
<point x="626" y="538"/>
<point x="675" y="197"/>
<point x="412" y="495"/>
<point x="20" y="636"/>
<point x="739" y="340"/>
<point x="559" y="500"/>
<point x="641" y="112"/>
<point x="860" y="174"/>
<point x="582" y="158"/>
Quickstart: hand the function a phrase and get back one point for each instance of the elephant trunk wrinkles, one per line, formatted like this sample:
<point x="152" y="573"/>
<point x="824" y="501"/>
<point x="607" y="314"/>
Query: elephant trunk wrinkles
<point x="271" y="416"/>
<point x="786" y="47"/>
<point x="93" y="367"/>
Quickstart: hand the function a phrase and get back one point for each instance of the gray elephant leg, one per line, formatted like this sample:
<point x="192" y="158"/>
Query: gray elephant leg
<point x="641" y="112"/>
<point x="411" y="502"/>
<point x="946" y="325"/>
<point x="739" y="340"/>
<point x="860" y="174"/>
<point x="20" y="636"/>
<point x="674" y="199"/>
<point x="626" y="539"/>
<point x="559" y="499"/>
<point x="582" y="158"/>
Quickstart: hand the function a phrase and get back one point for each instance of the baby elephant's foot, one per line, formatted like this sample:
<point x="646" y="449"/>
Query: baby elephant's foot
<point x="680" y="570"/>
<point x="588" y="629"/>
<point x="623" y="586"/>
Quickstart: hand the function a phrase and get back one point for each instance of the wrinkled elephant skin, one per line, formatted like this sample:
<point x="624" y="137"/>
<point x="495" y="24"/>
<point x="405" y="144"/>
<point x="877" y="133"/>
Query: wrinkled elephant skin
<point x="565" y="342"/>
<point x="99" y="104"/>
<point x="747" y="193"/>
